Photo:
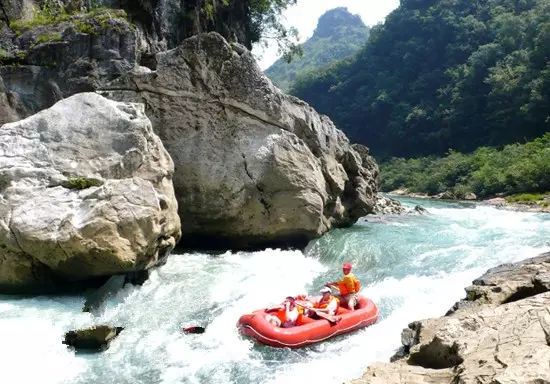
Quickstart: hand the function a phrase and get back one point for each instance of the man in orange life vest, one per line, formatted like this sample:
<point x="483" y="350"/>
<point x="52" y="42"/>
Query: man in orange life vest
<point x="349" y="286"/>
<point x="328" y="303"/>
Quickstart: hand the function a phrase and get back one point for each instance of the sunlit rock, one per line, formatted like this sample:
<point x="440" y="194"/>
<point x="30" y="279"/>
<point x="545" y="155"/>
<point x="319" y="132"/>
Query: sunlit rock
<point x="253" y="166"/>
<point x="85" y="191"/>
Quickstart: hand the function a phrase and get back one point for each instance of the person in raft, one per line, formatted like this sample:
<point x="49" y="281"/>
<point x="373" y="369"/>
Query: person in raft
<point x="327" y="304"/>
<point x="288" y="314"/>
<point x="349" y="287"/>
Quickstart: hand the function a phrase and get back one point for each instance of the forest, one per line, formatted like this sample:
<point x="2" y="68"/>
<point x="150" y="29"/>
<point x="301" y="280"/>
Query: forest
<point x="442" y="75"/>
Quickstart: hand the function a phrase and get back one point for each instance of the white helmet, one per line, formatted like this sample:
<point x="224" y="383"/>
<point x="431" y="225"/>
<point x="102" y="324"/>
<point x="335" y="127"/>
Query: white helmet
<point x="325" y="290"/>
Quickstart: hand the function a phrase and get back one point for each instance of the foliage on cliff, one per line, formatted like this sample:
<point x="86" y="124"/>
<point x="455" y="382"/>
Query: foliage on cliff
<point x="338" y="35"/>
<point x="513" y="169"/>
<point x="443" y="74"/>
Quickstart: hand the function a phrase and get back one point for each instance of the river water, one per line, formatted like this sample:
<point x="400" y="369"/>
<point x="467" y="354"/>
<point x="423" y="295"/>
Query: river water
<point x="413" y="267"/>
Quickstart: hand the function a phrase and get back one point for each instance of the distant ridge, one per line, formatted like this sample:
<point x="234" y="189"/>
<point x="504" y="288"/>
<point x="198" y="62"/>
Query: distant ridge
<point x="339" y="35"/>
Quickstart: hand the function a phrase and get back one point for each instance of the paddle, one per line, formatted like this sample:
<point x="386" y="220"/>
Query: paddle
<point x="330" y="318"/>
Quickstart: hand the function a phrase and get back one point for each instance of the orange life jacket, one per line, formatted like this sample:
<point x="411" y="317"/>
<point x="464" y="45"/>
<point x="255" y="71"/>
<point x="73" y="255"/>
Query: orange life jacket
<point x="281" y="314"/>
<point x="349" y="284"/>
<point x="323" y="304"/>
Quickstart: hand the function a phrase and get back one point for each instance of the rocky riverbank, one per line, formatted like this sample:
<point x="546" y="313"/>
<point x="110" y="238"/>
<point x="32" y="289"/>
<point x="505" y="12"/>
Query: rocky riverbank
<point x="541" y="205"/>
<point x="499" y="334"/>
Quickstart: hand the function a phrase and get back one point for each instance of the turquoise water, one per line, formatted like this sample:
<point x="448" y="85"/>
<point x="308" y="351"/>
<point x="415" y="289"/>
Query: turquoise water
<point x="413" y="266"/>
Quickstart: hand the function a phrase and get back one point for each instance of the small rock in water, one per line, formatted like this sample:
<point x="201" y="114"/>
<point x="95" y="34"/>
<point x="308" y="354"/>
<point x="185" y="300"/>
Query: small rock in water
<point x="193" y="329"/>
<point x="420" y="209"/>
<point x="94" y="339"/>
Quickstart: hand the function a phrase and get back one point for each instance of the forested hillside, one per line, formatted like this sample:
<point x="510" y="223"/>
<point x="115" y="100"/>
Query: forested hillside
<point x="443" y="74"/>
<point x="338" y="35"/>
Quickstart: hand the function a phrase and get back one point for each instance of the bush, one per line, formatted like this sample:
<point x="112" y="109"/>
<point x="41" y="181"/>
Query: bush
<point x="81" y="183"/>
<point x="516" y="168"/>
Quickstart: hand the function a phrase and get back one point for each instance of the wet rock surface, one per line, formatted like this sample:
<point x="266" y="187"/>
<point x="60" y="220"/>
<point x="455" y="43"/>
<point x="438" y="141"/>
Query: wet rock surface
<point x="498" y="334"/>
<point x="94" y="339"/>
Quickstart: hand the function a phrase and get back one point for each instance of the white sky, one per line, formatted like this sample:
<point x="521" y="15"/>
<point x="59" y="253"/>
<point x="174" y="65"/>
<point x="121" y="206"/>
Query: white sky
<point x="305" y="13"/>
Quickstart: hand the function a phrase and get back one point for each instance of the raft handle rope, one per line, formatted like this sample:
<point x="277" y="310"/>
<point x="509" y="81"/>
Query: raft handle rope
<point x="344" y="330"/>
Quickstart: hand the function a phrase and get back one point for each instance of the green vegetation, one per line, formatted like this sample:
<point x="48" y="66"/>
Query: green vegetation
<point x="528" y="198"/>
<point x="264" y="25"/>
<point x="339" y="35"/>
<point x="443" y="74"/>
<point x="516" y="168"/>
<point x="85" y="22"/>
<point x="48" y="37"/>
<point x="81" y="183"/>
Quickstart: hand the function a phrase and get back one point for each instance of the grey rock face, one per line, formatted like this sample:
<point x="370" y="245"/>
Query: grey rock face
<point x="85" y="191"/>
<point x="498" y="334"/>
<point x="253" y="166"/>
<point x="48" y="63"/>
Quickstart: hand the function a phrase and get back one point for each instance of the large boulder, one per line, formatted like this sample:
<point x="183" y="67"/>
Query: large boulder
<point x="85" y="191"/>
<point x="499" y="334"/>
<point x="253" y="166"/>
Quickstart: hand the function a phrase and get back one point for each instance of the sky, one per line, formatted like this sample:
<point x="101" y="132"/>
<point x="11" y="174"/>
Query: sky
<point x="305" y="13"/>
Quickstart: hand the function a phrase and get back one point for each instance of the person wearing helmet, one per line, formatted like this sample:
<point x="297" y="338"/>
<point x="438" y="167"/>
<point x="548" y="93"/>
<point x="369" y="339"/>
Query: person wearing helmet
<point x="327" y="304"/>
<point x="349" y="287"/>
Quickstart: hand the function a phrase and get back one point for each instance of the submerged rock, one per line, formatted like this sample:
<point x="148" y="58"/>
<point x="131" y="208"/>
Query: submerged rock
<point x="498" y="334"/>
<point x="85" y="191"/>
<point x="94" y="339"/>
<point x="254" y="167"/>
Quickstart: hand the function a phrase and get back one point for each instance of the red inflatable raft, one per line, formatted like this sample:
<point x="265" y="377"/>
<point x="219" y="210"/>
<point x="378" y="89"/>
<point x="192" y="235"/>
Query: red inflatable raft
<point x="256" y="326"/>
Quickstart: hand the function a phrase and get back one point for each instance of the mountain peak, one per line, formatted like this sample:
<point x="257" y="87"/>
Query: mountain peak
<point x="332" y="21"/>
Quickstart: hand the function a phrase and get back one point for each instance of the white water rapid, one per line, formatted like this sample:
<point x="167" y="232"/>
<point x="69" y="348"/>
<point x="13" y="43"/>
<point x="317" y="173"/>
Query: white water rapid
<point x="412" y="266"/>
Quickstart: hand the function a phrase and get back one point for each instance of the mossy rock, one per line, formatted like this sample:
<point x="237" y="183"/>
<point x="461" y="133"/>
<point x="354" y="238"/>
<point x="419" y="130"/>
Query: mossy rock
<point x="81" y="183"/>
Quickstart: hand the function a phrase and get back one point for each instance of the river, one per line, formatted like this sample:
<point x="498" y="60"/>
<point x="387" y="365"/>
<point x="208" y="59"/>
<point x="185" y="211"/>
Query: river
<point x="413" y="266"/>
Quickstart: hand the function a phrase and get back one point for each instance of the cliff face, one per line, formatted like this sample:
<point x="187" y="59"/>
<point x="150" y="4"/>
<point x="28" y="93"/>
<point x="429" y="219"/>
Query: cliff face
<point x="53" y="49"/>
<point x="164" y="23"/>
<point x="253" y="166"/>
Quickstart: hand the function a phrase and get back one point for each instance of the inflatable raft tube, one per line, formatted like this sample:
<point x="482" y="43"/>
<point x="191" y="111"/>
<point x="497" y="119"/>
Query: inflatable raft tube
<point x="257" y="327"/>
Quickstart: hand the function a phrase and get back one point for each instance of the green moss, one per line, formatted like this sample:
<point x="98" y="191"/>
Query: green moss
<point x="84" y="27"/>
<point x="48" y="37"/>
<point x="84" y="22"/>
<point x="81" y="183"/>
<point x="41" y="16"/>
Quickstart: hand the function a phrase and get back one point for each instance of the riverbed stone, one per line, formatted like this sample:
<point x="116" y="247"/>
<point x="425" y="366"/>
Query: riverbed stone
<point x="85" y="191"/>
<point x="93" y="339"/>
